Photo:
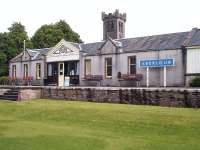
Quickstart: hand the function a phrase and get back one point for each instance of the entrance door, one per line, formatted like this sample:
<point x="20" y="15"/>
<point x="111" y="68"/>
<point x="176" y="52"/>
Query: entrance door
<point x="61" y="76"/>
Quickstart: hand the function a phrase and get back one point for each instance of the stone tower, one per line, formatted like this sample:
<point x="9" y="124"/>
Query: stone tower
<point x="113" y="25"/>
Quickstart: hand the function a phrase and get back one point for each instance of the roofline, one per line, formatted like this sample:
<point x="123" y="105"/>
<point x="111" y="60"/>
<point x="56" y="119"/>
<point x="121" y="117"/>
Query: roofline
<point x="133" y="51"/>
<point x="118" y="40"/>
<point x="38" y="49"/>
<point x="151" y="35"/>
<point x="25" y="61"/>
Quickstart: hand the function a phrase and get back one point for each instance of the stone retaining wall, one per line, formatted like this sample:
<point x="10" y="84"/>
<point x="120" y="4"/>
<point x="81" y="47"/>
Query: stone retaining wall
<point x="29" y="94"/>
<point x="172" y="97"/>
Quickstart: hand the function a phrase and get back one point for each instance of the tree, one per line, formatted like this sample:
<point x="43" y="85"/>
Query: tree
<point x="3" y="58"/>
<point x="50" y="35"/>
<point x="11" y="44"/>
<point x="46" y="36"/>
<point x="17" y="34"/>
<point x="69" y="34"/>
<point x="3" y="70"/>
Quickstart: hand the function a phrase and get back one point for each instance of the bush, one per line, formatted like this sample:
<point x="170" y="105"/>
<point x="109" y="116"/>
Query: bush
<point x="3" y="70"/>
<point x="4" y="80"/>
<point x="195" y="82"/>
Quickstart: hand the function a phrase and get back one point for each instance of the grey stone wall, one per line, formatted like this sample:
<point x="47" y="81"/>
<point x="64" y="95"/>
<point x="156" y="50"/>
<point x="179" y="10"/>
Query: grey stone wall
<point x="170" y="97"/>
<point x="141" y="96"/>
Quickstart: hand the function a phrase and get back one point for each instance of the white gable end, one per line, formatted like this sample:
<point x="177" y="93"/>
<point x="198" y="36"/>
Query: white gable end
<point x="63" y="51"/>
<point x="108" y="48"/>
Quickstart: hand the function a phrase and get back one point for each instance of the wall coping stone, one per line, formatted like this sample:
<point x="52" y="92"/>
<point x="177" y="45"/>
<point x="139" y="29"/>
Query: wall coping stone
<point x="178" y="89"/>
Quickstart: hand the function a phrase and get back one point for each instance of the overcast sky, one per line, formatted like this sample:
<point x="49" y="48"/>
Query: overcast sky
<point x="144" y="17"/>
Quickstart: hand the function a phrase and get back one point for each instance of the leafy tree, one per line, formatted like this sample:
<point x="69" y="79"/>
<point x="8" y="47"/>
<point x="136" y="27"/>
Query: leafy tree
<point x="3" y="70"/>
<point x="50" y="35"/>
<point x="46" y="36"/>
<point x="17" y="34"/>
<point x="3" y="58"/>
<point x="11" y="44"/>
<point x="69" y="34"/>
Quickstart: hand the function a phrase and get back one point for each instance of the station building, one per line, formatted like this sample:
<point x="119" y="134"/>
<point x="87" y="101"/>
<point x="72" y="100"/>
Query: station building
<point x="153" y="61"/>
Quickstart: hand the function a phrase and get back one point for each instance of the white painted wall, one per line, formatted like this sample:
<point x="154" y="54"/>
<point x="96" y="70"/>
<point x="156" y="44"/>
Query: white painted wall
<point x="193" y="60"/>
<point x="60" y="58"/>
<point x="18" y="69"/>
<point x="31" y="70"/>
<point x="175" y="75"/>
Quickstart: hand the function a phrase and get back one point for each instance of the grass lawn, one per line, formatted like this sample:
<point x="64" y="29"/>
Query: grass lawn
<point x="62" y="125"/>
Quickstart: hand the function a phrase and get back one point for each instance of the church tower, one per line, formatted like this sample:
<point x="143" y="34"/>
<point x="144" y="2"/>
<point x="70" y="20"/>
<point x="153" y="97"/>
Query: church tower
<point x="113" y="25"/>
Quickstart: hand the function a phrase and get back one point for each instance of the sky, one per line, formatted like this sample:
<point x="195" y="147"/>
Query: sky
<point x="144" y="17"/>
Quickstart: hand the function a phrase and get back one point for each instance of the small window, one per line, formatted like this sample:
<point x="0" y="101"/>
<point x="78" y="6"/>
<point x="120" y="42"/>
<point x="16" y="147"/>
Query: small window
<point x="132" y="65"/>
<point x="87" y="67"/>
<point x="38" y="71"/>
<point x="119" y="24"/>
<point x="108" y="67"/>
<point x="14" y="71"/>
<point x="121" y="27"/>
<point x="25" y="70"/>
<point x="50" y="70"/>
<point x="112" y="25"/>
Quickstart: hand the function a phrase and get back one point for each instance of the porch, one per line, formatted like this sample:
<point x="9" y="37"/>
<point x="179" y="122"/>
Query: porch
<point x="62" y="73"/>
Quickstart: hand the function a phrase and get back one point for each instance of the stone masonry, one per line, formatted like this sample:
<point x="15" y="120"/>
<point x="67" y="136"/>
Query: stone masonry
<point x="170" y="97"/>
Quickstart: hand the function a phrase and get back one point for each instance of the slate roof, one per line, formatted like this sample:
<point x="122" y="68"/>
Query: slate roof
<point x="35" y="54"/>
<point x="91" y="48"/>
<point x="41" y="52"/>
<point x="170" y="41"/>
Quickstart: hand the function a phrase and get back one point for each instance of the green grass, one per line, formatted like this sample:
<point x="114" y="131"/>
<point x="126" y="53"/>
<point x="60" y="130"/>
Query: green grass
<point x="62" y="125"/>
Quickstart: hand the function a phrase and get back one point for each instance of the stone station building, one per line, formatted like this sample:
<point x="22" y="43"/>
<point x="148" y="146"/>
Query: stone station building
<point x="159" y="60"/>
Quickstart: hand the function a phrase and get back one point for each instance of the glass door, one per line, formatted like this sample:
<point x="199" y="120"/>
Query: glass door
<point x="61" y="76"/>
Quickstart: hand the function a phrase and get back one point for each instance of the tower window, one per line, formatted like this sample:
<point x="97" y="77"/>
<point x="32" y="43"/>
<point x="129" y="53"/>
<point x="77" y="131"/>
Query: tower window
<point x="112" y="25"/>
<point x="121" y="27"/>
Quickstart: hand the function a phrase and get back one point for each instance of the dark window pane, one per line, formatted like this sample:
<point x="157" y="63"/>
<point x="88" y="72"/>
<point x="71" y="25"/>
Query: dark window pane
<point x="132" y="60"/>
<point x="108" y="67"/>
<point x="109" y="61"/>
<point x="132" y="69"/>
<point x="132" y="65"/>
<point x="109" y="71"/>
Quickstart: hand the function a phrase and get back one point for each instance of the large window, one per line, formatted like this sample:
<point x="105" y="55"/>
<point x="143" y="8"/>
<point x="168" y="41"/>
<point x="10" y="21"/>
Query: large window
<point x="14" y="71"/>
<point x="38" y="71"/>
<point x="25" y="70"/>
<point x="108" y="67"/>
<point x="87" y="66"/>
<point x="132" y="65"/>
